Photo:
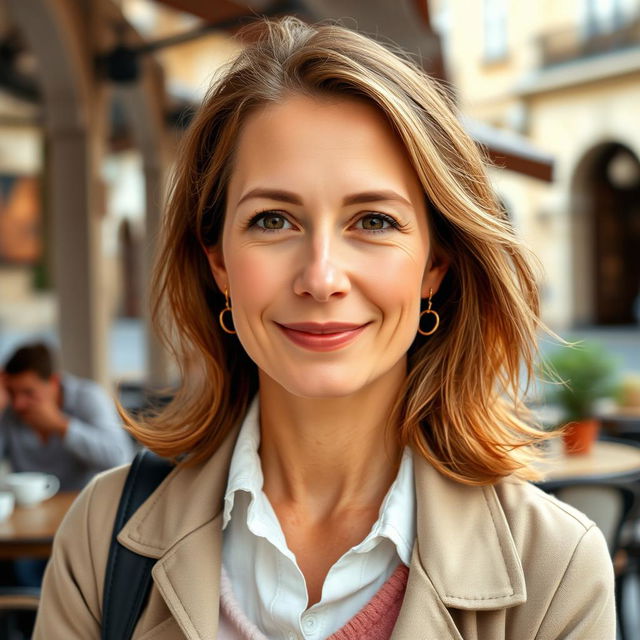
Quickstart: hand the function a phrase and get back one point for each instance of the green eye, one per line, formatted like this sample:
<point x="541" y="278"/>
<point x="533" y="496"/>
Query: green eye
<point x="377" y="222"/>
<point x="373" y="223"/>
<point x="271" y="221"/>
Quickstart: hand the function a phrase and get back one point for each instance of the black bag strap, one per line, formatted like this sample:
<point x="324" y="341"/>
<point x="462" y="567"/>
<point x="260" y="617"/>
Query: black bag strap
<point x="128" y="576"/>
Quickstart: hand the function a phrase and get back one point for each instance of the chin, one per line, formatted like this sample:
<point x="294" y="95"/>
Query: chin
<point x="322" y="391"/>
<point x="321" y="384"/>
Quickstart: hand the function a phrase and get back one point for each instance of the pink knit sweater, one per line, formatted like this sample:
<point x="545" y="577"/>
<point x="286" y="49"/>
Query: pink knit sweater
<point x="374" y="622"/>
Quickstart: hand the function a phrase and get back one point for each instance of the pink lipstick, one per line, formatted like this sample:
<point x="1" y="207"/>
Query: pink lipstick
<point x="317" y="336"/>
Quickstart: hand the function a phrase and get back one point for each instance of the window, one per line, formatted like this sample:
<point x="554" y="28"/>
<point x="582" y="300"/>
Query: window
<point x="495" y="30"/>
<point x="606" y="16"/>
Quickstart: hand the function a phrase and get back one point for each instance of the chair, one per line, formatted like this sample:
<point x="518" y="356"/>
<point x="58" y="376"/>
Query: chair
<point x="622" y="428"/>
<point x="18" y="606"/>
<point x="613" y="507"/>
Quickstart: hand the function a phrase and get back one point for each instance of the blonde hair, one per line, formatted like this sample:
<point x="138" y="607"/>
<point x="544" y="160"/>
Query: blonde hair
<point x="462" y="408"/>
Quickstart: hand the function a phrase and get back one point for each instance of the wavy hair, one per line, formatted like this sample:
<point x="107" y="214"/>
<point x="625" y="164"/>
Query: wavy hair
<point x="462" y="407"/>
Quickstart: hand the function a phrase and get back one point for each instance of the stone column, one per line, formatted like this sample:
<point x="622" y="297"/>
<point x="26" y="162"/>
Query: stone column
<point x="77" y="253"/>
<point x="143" y="102"/>
<point x="74" y="102"/>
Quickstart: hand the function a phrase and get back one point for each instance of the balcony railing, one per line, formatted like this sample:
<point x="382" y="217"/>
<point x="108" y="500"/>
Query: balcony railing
<point x="572" y="44"/>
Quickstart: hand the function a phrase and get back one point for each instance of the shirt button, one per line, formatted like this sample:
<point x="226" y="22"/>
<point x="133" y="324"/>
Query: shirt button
<point x="309" y="623"/>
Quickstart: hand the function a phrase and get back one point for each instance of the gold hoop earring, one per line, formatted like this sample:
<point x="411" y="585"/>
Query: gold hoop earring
<point x="221" y="316"/>
<point x="427" y="311"/>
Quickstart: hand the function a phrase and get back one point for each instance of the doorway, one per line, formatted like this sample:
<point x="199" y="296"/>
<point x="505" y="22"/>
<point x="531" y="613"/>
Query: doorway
<point x="606" y="235"/>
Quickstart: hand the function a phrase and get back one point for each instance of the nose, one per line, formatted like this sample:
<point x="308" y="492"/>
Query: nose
<point x="322" y="274"/>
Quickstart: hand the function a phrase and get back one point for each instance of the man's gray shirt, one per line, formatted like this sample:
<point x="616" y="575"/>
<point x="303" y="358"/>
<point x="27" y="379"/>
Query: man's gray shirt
<point x="94" y="441"/>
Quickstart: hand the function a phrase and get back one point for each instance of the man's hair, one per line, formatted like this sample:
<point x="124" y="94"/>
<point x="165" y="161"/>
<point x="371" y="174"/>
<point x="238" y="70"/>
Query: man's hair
<point x="36" y="357"/>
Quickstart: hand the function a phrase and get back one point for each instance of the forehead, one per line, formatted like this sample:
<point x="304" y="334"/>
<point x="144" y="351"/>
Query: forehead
<point x="330" y="143"/>
<point x="24" y="380"/>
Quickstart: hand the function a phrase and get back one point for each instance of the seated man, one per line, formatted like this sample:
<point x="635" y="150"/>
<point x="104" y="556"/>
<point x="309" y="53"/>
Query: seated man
<point x="58" y="423"/>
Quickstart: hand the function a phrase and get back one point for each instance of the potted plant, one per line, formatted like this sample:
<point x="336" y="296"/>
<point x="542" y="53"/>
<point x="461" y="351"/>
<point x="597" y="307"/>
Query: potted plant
<point x="584" y="375"/>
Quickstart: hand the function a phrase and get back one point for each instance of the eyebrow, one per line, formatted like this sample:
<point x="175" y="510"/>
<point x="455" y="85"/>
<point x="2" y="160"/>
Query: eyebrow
<point x="282" y="195"/>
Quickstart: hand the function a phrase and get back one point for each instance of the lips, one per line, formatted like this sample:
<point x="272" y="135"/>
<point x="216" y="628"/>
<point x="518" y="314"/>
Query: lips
<point x="325" y="336"/>
<point x="321" y="327"/>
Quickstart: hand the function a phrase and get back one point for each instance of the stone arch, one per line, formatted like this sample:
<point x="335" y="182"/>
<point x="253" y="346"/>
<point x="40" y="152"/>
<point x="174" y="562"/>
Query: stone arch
<point x="605" y="234"/>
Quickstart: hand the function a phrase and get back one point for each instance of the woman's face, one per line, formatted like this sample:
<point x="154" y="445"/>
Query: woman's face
<point x="325" y="248"/>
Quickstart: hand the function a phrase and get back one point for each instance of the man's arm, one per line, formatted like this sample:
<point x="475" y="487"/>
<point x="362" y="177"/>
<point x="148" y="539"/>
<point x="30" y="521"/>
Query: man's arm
<point x="94" y="433"/>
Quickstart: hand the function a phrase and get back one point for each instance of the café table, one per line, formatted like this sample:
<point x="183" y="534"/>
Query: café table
<point x="29" y="531"/>
<point x="608" y="461"/>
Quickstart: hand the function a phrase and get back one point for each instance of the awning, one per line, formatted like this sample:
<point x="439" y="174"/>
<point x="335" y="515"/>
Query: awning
<point x="406" y="23"/>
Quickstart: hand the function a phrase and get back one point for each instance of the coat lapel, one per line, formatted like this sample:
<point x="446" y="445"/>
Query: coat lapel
<point x="190" y="582"/>
<point x="465" y="544"/>
<point x="423" y="615"/>
<point x="464" y="557"/>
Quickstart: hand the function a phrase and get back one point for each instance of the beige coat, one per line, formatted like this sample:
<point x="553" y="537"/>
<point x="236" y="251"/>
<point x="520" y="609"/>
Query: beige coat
<point x="496" y="562"/>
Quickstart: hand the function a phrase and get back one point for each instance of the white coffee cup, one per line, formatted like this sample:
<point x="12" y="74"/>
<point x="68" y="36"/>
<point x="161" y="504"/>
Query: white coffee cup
<point x="7" y="500"/>
<point x="31" y="487"/>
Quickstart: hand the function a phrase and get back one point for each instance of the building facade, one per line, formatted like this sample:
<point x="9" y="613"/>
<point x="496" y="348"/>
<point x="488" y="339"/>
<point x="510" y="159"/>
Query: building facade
<point x="567" y="76"/>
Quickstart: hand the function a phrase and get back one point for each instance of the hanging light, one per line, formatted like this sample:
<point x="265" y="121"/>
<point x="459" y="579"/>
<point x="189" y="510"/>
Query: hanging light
<point x="623" y="170"/>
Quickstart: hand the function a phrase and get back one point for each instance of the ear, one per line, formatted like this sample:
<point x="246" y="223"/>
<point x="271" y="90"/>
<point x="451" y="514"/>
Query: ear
<point x="55" y="381"/>
<point x="437" y="267"/>
<point x="217" y="266"/>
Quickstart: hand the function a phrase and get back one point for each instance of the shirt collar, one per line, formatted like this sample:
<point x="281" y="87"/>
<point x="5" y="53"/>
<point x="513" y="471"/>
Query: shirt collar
<point x="396" y="518"/>
<point x="397" y="515"/>
<point x="245" y="472"/>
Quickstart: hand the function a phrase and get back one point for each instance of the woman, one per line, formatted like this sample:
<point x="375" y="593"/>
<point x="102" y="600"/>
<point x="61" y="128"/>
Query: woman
<point x="350" y="310"/>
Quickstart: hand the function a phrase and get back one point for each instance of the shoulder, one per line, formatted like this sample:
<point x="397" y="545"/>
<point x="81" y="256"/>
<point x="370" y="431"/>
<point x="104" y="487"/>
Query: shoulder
<point x="84" y="536"/>
<point x="72" y="590"/>
<point x="92" y="514"/>
<point x="542" y="524"/>
<point x="565" y="561"/>
<point x="83" y="397"/>
<point x="75" y="572"/>
<point x="524" y="502"/>
<point x="555" y="541"/>
<point x="79" y="388"/>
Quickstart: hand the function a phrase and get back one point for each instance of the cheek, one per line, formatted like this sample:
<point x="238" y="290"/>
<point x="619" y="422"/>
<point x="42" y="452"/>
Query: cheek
<point x="255" y="277"/>
<point x="396" y="278"/>
<point x="41" y="395"/>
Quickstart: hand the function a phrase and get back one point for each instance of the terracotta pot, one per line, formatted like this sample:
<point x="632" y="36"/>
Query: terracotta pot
<point x="580" y="435"/>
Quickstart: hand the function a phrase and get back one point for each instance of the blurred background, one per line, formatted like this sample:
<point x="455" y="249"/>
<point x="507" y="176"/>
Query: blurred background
<point x="95" y="95"/>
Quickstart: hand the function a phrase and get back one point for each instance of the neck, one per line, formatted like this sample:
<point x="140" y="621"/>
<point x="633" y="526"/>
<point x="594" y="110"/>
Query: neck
<point x="329" y="454"/>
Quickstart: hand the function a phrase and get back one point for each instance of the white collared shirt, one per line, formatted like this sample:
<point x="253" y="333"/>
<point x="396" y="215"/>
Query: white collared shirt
<point x="263" y="572"/>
